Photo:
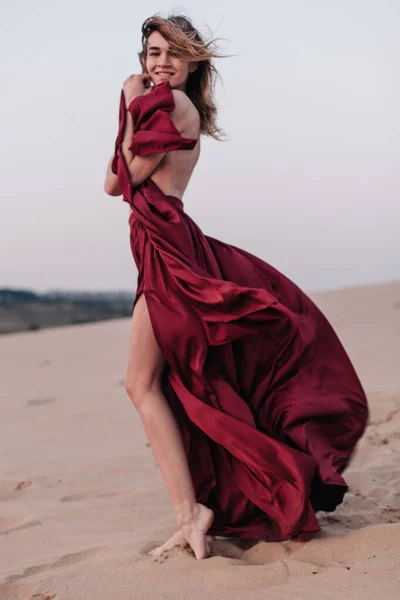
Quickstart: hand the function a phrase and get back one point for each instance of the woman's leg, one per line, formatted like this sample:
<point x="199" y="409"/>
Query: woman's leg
<point x="143" y="384"/>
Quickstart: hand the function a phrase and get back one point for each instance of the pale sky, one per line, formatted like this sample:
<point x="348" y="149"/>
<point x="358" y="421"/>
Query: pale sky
<point x="309" y="181"/>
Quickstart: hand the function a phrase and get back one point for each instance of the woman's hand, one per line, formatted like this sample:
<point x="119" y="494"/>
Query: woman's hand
<point x="136" y="85"/>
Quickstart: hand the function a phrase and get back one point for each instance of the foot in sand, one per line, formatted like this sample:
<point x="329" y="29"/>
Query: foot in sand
<point x="192" y="533"/>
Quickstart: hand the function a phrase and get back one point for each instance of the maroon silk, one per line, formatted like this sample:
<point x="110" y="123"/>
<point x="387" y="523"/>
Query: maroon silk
<point x="269" y="405"/>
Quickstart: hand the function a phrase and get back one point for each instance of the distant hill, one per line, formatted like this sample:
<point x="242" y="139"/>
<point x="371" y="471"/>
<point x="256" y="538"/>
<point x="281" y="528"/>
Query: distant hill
<point x="25" y="310"/>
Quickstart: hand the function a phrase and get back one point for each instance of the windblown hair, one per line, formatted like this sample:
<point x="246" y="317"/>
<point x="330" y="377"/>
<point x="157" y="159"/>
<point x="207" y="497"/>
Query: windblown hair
<point x="187" y="44"/>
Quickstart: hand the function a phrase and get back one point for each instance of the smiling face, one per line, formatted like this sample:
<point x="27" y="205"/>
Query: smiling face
<point x="162" y="65"/>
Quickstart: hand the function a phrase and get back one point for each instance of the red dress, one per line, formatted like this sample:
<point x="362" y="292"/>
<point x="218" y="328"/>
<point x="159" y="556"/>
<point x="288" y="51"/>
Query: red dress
<point x="268" y="403"/>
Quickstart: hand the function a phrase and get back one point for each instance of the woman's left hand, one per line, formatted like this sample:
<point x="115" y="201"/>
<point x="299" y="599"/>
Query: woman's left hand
<point x="136" y="85"/>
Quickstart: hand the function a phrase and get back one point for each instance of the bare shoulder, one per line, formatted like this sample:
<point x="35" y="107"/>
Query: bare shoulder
<point x="182" y="100"/>
<point x="185" y="111"/>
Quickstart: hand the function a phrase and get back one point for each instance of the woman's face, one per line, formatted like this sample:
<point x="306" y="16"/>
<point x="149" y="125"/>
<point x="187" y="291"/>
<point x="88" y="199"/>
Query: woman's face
<point x="162" y="65"/>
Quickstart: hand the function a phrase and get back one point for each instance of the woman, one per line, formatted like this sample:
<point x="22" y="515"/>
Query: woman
<point x="249" y="401"/>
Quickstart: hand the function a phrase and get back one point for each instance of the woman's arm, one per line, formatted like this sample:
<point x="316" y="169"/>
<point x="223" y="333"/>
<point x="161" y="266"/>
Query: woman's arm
<point x="111" y="183"/>
<point x="140" y="167"/>
<point x="111" y="186"/>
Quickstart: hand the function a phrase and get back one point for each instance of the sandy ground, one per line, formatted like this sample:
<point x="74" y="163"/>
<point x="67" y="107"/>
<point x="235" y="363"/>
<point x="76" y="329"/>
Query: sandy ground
<point x="82" y="500"/>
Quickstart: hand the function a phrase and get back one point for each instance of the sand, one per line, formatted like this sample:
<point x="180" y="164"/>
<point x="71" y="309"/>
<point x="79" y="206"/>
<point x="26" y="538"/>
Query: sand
<point x="82" y="500"/>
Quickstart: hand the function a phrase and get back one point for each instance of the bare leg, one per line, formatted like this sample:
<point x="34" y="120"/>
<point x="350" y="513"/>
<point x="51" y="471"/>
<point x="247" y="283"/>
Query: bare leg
<point x="145" y="365"/>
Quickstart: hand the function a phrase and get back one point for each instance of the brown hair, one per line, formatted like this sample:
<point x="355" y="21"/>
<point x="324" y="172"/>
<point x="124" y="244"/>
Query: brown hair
<point x="187" y="44"/>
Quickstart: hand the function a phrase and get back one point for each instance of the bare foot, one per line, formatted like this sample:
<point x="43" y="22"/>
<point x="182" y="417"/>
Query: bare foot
<point x="195" y="531"/>
<point x="174" y="540"/>
<point x="192" y="533"/>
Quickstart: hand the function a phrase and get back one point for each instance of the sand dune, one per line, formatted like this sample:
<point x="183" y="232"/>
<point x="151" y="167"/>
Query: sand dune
<point x="82" y="500"/>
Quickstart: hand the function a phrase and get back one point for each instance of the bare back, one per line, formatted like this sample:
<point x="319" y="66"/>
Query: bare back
<point x="173" y="173"/>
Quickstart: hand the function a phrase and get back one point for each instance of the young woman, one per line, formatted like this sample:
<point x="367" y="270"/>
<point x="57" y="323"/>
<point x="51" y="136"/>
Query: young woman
<point x="249" y="401"/>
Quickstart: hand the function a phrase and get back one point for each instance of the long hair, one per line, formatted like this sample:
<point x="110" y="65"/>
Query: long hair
<point x="187" y="44"/>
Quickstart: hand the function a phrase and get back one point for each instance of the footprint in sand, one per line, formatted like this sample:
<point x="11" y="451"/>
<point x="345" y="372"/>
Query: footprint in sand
<point x="21" y="591"/>
<point x="64" y="561"/>
<point x="76" y="557"/>
<point x="78" y="497"/>
<point x="27" y="573"/>
<point x="72" y="498"/>
<point x="23" y="484"/>
<point x="9" y="489"/>
<point x="12" y="523"/>
<point x="41" y="401"/>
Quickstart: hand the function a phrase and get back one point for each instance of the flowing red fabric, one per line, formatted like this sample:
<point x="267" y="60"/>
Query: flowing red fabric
<point x="267" y="400"/>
